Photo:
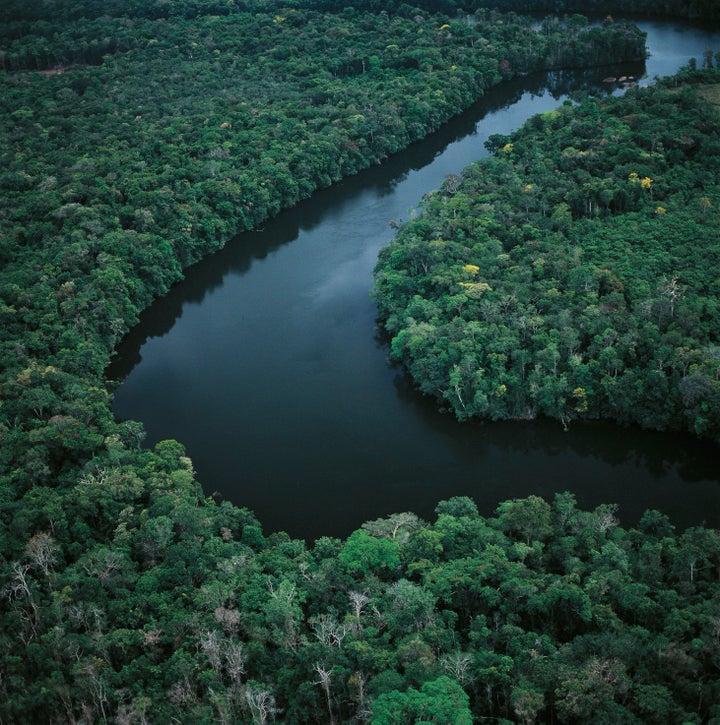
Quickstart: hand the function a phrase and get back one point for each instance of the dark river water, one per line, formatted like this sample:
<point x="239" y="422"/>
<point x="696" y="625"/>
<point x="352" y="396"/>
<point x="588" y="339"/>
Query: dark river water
<point x="265" y="362"/>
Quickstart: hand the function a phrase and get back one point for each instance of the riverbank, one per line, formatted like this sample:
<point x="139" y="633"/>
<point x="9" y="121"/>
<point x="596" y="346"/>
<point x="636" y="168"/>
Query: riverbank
<point x="495" y="320"/>
<point x="125" y="592"/>
<point x="119" y="176"/>
<point x="301" y="372"/>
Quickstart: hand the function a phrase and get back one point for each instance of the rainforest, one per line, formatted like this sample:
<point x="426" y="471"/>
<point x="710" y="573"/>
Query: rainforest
<point x="563" y="277"/>
<point x="569" y="276"/>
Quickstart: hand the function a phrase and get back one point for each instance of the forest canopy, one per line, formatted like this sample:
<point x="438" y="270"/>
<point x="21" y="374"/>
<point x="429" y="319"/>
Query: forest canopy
<point x="63" y="11"/>
<point x="115" y="177"/>
<point x="543" y="612"/>
<point x="140" y="136"/>
<point x="573" y="274"/>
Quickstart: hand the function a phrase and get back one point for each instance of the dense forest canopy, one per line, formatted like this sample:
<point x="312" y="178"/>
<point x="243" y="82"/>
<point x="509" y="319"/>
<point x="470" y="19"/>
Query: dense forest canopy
<point x="573" y="275"/>
<point x="139" y="137"/>
<point x="186" y="613"/>
<point x="116" y="177"/>
<point x="23" y="11"/>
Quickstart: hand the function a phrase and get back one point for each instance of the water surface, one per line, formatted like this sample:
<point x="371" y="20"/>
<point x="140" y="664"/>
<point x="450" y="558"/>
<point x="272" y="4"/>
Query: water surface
<point x="265" y="362"/>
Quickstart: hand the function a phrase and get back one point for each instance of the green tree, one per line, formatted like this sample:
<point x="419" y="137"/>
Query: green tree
<point x="438" y="701"/>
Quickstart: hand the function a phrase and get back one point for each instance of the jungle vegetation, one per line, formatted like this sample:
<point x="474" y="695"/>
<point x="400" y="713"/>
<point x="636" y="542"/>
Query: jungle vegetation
<point x="133" y="602"/>
<point x="138" y="137"/>
<point x="31" y="11"/>
<point x="573" y="274"/>
<point x="116" y="177"/>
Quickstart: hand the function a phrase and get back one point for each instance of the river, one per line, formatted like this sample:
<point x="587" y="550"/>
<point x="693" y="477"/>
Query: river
<point x="265" y="362"/>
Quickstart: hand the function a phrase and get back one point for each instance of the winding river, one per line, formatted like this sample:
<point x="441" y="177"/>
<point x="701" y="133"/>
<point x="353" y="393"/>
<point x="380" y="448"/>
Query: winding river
<point x="265" y="362"/>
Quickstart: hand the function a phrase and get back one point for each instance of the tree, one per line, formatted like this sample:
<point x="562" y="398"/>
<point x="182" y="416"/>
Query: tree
<point x="527" y="702"/>
<point x="363" y="554"/>
<point x="440" y="700"/>
<point x="530" y="518"/>
<point x="588" y="693"/>
<point x="396" y="526"/>
<point x="324" y="680"/>
<point x="260" y="701"/>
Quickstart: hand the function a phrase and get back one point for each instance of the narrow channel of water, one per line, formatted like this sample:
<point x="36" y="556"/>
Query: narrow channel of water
<point x="264" y="362"/>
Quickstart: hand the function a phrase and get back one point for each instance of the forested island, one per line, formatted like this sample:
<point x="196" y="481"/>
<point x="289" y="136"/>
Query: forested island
<point x="138" y="137"/>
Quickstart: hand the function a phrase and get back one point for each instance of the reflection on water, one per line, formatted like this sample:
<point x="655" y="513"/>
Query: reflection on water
<point x="265" y="363"/>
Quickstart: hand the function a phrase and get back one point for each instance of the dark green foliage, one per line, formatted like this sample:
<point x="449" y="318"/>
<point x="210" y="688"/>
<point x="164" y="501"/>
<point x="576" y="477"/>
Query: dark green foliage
<point x="116" y="177"/>
<point x="18" y="13"/>
<point x="176" y="616"/>
<point x="125" y="594"/>
<point x="574" y="273"/>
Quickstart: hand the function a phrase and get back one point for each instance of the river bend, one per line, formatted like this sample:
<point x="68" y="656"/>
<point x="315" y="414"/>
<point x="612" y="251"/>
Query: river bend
<point x="265" y="363"/>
